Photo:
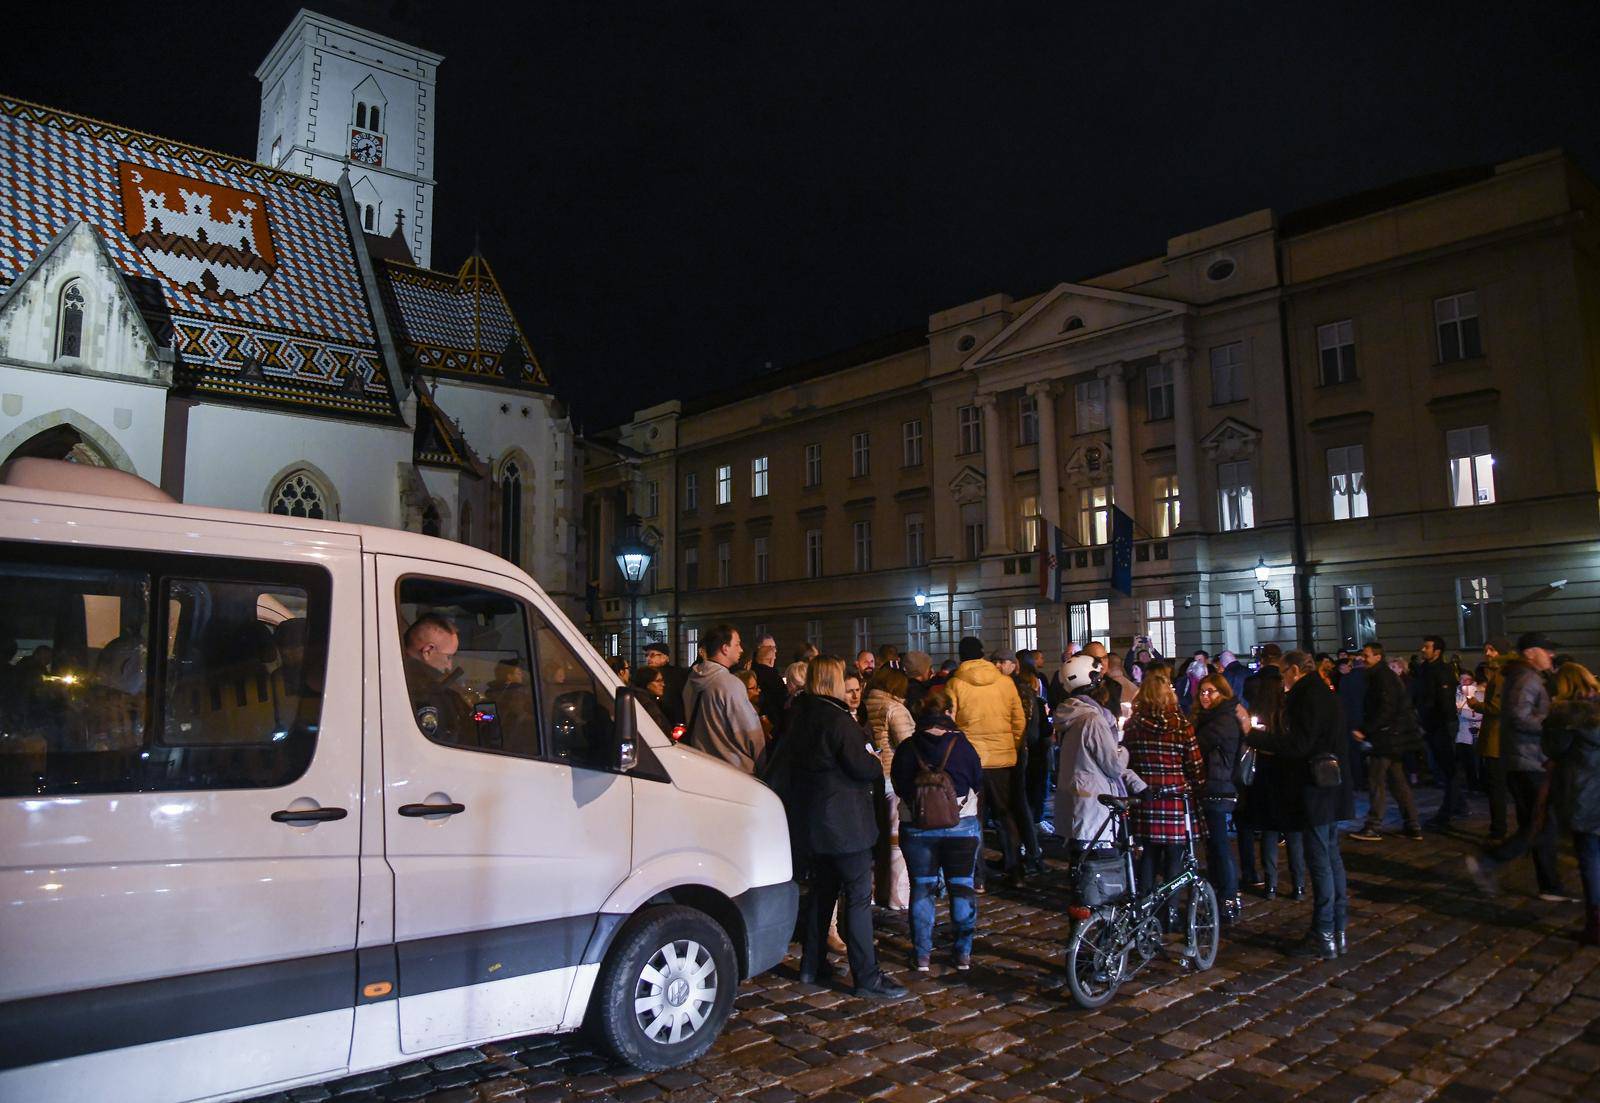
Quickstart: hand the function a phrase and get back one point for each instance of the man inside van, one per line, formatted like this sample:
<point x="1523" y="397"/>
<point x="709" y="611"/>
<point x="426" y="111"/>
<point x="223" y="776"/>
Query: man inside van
<point x="722" y="721"/>
<point x="429" y="652"/>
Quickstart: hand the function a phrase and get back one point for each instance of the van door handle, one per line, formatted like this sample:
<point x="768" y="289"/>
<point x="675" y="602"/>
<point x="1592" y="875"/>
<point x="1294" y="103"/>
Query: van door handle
<point x="414" y="810"/>
<point x="308" y="815"/>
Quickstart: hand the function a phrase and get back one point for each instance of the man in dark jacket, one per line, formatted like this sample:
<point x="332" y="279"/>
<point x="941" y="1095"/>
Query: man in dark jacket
<point x="1314" y="729"/>
<point x="1433" y="695"/>
<point x="1390" y="728"/>
<point x="774" y="694"/>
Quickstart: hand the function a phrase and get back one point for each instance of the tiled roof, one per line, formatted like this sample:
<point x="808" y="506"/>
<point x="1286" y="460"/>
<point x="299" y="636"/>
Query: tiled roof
<point x="459" y="326"/>
<point x="251" y="271"/>
<point x="438" y="441"/>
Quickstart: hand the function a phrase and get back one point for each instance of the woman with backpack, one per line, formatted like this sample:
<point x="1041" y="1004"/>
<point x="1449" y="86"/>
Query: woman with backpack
<point x="1219" y="726"/>
<point x="937" y="778"/>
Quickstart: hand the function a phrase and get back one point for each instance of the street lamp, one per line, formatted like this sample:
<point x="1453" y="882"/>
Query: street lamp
<point x="930" y="618"/>
<point x="1264" y="576"/>
<point x="633" y="557"/>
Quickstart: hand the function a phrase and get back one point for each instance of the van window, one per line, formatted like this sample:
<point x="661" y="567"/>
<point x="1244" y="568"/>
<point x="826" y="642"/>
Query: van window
<point x="577" y="713"/>
<point x="231" y="698"/>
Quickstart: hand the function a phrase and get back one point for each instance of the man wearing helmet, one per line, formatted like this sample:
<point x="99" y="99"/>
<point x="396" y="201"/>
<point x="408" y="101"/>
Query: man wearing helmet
<point x="1093" y="763"/>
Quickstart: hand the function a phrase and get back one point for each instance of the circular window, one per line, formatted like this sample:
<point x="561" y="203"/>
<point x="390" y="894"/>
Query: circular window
<point x="1071" y="324"/>
<point x="1219" y="270"/>
<point x="966" y="343"/>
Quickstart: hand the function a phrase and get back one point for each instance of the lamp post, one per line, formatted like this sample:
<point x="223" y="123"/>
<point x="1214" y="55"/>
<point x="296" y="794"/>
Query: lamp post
<point x="930" y="617"/>
<point x="633" y="557"/>
<point x="1264" y="576"/>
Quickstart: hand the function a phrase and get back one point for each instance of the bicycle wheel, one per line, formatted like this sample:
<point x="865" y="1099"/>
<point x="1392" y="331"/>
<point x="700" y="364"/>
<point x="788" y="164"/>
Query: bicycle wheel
<point x="1096" y="959"/>
<point x="1204" y="924"/>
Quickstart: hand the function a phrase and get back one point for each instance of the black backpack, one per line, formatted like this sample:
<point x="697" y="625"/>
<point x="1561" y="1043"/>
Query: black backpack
<point x="934" y="804"/>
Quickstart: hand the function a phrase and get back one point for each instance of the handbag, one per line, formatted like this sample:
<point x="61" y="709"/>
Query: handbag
<point x="1325" y="771"/>
<point x="1244" y="767"/>
<point x="1100" y="877"/>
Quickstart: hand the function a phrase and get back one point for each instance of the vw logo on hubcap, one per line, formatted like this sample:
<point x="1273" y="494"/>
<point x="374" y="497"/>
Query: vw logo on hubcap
<point x="678" y="992"/>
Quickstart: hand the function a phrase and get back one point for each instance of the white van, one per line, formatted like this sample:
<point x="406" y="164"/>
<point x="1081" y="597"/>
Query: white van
<point x="285" y="799"/>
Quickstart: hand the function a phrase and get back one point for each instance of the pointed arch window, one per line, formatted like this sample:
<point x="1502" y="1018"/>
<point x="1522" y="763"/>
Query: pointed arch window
<point x="361" y="115"/>
<point x="299" y="495"/>
<point x="432" y="523"/>
<point x="511" y="512"/>
<point x="369" y="218"/>
<point x="465" y="529"/>
<point x="69" y="329"/>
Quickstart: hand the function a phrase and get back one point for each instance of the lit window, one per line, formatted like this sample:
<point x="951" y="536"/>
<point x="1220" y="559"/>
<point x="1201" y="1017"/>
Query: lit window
<point x="1227" y="373"/>
<point x="691" y="645"/>
<point x="1235" y="504"/>
<point x="813" y="465"/>
<point x="1027" y="420"/>
<point x="762" y="561"/>
<point x="724" y="563"/>
<point x="1336" y="352"/>
<point x="511" y="512"/>
<point x="758" y="477"/>
<point x="1090" y="622"/>
<point x="652" y="498"/>
<point x="1167" y="515"/>
<point x="1347" y="480"/>
<point x="1024" y="629"/>
<point x="1358" y="622"/>
<point x="1456" y="318"/>
<point x="1471" y="466"/>
<point x="860" y="454"/>
<point x="861" y="533"/>
<point x="299" y="496"/>
<point x="969" y="426"/>
<point x="1089" y="398"/>
<point x="813" y="553"/>
<point x="1028" y="523"/>
<point x="916" y="632"/>
<point x="1161" y="625"/>
<point x="724" y="484"/>
<point x="691" y="492"/>
<point x="1239" y="620"/>
<point x="69" y="327"/>
<point x="691" y="568"/>
<point x="916" y="540"/>
<point x="973" y="536"/>
<point x="1094" y="514"/>
<point x="911" y="443"/>
<point x="1158" y="391"/>
<point x="860" y="635"/>
<point x="1482" y="611"/>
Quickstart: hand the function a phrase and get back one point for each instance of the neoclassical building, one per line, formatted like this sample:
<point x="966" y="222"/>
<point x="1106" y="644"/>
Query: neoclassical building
<point x="1376" y="418"/>
<point x="267" y="335"/>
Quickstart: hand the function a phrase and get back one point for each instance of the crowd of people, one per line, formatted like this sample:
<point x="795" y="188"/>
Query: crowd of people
<point x="891" y="770"/>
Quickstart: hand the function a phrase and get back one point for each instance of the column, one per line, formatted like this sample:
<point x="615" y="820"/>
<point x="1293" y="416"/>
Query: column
<point x="1183" y="441"/>
<point x="1116" y="377"/>
<point x="1044" y="394"/>
<point x="995" y="478"/>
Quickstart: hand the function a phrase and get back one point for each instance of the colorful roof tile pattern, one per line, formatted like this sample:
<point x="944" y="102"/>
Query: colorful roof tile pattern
<point x="460" y="325"/>
<point x="438" y="440"/>
<point x="252" y="271"/>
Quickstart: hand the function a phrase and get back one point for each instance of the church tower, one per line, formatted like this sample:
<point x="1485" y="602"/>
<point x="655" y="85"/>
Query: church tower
<point x="338" y="98"/>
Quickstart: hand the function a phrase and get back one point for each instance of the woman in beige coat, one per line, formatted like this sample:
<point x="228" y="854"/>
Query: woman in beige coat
<point x="890" y="724"/>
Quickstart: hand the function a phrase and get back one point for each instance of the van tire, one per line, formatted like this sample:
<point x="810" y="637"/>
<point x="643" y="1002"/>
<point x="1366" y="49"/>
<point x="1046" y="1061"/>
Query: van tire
<point x="662" y="956"/>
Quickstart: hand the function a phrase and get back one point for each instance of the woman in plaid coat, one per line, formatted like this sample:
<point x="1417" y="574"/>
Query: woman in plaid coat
<point x="1162" y="750"/>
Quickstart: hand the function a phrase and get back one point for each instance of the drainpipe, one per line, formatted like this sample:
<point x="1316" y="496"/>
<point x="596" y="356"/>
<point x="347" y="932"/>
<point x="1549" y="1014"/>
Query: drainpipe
<point x="1304" y="614"/>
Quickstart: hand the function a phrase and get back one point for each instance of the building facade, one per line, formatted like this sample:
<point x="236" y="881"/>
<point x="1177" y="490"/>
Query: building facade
<point x="1327" y="427"/>
<point x="245" y="335"/>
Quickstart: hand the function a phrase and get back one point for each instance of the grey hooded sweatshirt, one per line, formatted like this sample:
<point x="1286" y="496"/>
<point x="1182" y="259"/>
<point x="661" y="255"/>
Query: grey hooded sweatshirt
<point x="721" y="720"/>
<point x="1092" y="763"/>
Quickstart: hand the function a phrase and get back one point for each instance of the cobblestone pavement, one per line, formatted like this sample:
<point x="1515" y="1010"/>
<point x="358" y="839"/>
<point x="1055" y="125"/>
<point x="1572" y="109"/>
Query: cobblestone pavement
<point x="1445" y="994"/>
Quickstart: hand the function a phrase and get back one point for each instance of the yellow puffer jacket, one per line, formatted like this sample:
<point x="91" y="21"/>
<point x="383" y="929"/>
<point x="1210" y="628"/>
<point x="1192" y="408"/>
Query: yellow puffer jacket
<point x="989" y="711"/>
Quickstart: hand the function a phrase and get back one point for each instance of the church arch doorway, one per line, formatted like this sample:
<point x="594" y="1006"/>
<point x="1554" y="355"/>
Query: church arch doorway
<point x="63" y="435"/>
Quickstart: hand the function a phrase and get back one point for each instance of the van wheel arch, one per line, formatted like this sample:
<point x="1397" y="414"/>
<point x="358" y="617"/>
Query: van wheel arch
<point x="718" y="907"/>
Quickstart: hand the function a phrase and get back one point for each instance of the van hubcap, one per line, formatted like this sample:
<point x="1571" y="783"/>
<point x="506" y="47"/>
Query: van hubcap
<point x="676" y="990"/>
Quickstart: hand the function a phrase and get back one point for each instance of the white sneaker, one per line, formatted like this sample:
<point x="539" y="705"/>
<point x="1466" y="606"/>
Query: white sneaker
<point x="1555" y="897"/>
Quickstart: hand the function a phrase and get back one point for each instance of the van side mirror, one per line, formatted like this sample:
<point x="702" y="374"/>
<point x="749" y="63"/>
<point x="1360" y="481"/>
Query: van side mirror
<point x="625" y="730"/>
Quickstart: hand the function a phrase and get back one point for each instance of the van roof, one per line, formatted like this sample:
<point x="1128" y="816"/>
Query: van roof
<point x="41" y="482"/>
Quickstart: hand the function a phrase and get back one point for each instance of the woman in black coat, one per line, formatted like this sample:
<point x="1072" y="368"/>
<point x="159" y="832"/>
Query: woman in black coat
<point x="1267" y="804"/>
<point x="828" y="779"/>
<point x="1219" y="728"/>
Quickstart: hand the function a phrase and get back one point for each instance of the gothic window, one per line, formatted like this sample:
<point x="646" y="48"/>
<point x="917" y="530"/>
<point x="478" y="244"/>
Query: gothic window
<point x="373" y="119"/>
<point x="361" y="115"/>
<point x="511" y="512"/>
<point x="369" y="218"/>
<point x="466" y="523"/>
<point x="432" y="524"/>
<point x="300" y="496"/>
<point x="69" y="329"/>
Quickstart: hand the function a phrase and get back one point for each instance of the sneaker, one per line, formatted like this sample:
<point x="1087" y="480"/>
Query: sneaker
<point x="963" y="962"/>
<point x="1366" y="835"/>
<point x="1414" y="833"/>
<point x="922" y="963"/>
<point x="1556" y="897"/>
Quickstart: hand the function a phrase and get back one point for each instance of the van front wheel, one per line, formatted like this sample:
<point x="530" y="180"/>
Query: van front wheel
<point x="666" y="989"/>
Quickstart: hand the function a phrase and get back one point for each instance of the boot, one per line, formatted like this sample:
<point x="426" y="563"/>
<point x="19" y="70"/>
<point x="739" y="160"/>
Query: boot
<point x="1339" y="943"/>
<point x="1230" y="911"/>
<point x="1316" y="944"/>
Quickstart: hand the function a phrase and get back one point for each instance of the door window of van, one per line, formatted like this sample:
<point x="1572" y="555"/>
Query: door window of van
<point x="468" y="672"/>
<point x="89" y="703"/>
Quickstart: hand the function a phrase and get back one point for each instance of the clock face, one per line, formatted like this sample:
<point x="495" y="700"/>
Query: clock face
<point x="366" y="148"/>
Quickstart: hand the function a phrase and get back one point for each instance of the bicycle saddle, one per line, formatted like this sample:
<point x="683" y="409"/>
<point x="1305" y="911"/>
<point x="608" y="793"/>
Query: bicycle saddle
<point x="1110" y="801"/>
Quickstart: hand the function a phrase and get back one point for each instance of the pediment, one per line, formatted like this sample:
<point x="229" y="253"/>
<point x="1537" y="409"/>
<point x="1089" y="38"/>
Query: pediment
<point x="1069" y="313"/>
<point x="1231" y="439"/>
<point x="968" y="485"/>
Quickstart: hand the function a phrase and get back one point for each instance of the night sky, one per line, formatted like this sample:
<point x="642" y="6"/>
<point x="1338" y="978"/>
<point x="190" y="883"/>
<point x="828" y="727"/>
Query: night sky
<point x="675" y="195"/>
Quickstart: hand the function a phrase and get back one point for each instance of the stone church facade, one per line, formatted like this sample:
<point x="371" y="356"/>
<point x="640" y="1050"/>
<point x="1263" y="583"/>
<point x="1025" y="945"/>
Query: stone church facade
<point x="269" y="336"/>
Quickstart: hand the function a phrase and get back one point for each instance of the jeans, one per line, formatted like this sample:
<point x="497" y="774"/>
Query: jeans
<point x="952" y="851"/>
<point x="1383" y="773"/>
<point x="995" y="800"/>
<point x="833" y="875"/>
<point x="1494" y="782"/>
<point x="1158" y="863"/>
<point x="1539" y="838"/>
<point x="1268" y="871"/>
<point x="1443" y="747"/>
<point x="1330" y="898"/>
<point x="1586" y="845"/>
<point x="1222" y="869"/>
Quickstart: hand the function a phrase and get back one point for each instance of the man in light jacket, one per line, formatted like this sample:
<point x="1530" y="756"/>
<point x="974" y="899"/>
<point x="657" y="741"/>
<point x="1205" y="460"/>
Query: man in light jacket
<point x="1093" y="763"/>
<point x="989" y="711"/>
<point x="721" y="719"/>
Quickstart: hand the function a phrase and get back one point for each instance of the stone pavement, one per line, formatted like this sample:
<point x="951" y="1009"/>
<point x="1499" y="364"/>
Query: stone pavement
<point x="1445" y="995"/>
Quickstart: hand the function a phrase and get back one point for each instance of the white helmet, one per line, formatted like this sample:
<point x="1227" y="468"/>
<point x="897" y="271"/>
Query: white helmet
<point x="1081" y="672"/>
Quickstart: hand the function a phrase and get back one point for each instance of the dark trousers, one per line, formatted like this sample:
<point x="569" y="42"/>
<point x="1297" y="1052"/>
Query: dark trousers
<point x="847" y="880"/>
<point x="1024" y="812"/>
<point x="1268" y="871"/>
<point x="1447" y="763"/>
<point x="1383" y="774"/>
<point x="1586" y="845"/>
<point x="1330" y="897"/>
<point x="1222" y="870"/>
<point x="1158" y="863"/>
<point x="1038" y="778"/>
<point x="1538" y="837"/>
<point x="1494" y="783"/>
<point x="995" y="801"/>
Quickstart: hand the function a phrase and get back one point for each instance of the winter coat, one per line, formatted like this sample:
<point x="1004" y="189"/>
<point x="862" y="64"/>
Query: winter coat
<point x="1489" y="731"/>
<point x="774" y="693"/>
<point x="1162" y="751"/>
<point x="1524" y="704"/>
<point x="988" y="709"/>
<point x="1433" y="695"/>
<point x="1216" y="730"/>
<point x="928" y="745"/>
<point x="1390" y="721"/>
<point x="1235" y="673"/>
<point x="1572" y="739"/>
<point x="889" y="723"/>
<point x="1092" y="763"/>
<point x="829" y="777"/>
<point x="722" y="721"/>
<point x="1313" y="725"/>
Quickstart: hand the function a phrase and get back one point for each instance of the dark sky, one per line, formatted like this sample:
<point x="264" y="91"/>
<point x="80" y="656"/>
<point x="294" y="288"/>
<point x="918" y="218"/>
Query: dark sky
<point x="675" y="194"/>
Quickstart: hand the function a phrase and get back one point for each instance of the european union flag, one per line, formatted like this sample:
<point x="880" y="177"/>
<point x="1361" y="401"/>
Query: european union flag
<point x="1121" y="552"/>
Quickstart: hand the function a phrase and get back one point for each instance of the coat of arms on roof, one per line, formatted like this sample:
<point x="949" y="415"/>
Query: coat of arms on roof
<point x="207" y="238"/>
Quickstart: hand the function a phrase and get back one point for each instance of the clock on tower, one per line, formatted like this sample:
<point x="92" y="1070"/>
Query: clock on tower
<point x="366" y="147"/>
